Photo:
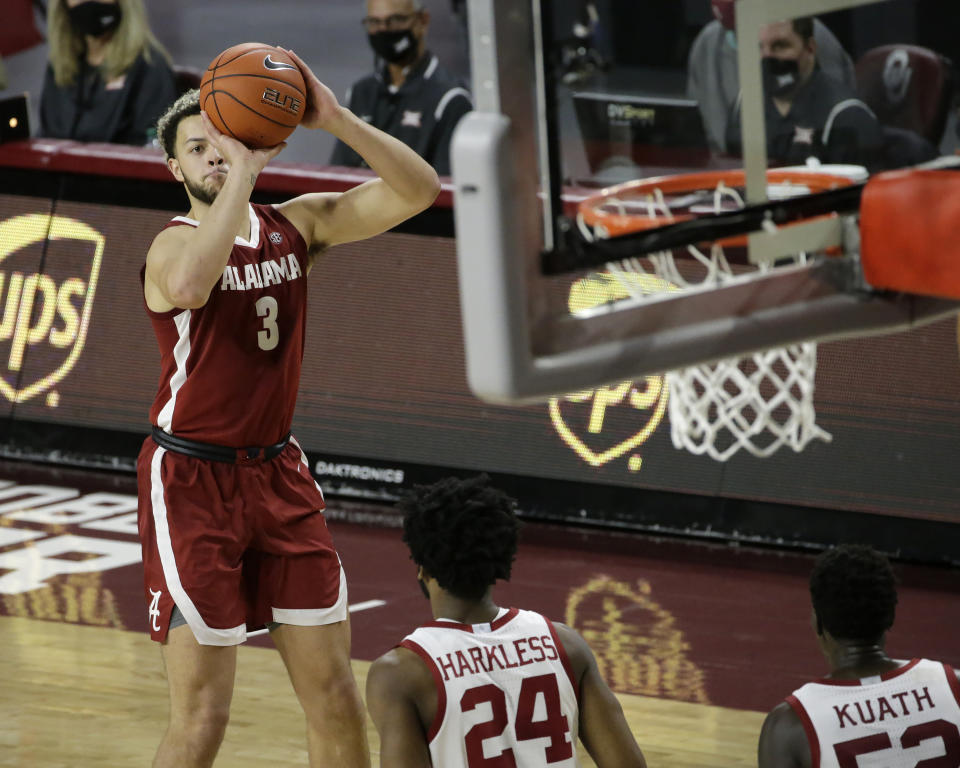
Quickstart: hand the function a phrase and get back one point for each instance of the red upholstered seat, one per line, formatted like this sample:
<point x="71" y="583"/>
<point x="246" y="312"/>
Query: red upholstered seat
<point x="908" y="87"/>
<point x="18" y="27"/>
<point x="187" y="78"/>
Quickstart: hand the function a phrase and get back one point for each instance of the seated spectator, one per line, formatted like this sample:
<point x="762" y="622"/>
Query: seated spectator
<point x="713" y="80"/>
<point x="410" y="95"/>
<point x="808" y="113"/>
<point x="108" y="79"/>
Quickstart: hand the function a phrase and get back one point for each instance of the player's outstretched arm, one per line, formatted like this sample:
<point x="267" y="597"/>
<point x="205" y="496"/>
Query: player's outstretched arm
<point x="603" y="728"/>
<point x="185" y="263"/>
<point x="394" y="683"/>
<point x="407" y="183"/>
<point x="783" y="742"/>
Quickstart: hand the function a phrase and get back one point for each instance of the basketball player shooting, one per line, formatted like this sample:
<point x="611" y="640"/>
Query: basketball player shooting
<point x="484" y="685"/>
<point x="230" y="519"/>
<point x="870" y="710"/>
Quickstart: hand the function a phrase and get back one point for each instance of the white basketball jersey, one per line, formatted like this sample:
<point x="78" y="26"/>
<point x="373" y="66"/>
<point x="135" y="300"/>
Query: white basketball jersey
<point x="904" y="718"/>
<point x="505" y="692"/>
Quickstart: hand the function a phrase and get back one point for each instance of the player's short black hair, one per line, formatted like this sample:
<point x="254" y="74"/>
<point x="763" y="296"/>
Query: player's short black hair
<point x="854" y="592"/>
<point x="463" y="533"/>
<point x="803" y="27"/>
<point x="188" y="104"/>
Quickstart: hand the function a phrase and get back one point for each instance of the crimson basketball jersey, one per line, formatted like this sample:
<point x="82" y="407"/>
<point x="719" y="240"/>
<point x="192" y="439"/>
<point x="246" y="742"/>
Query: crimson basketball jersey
<point x="230" y="369"/>
<point x="505" y="692"/>
<point x="907" y="717"/>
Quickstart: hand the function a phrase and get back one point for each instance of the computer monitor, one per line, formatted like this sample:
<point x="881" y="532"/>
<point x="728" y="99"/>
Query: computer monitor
<point x="14" y="118"/>
<point x="621" y="130"/>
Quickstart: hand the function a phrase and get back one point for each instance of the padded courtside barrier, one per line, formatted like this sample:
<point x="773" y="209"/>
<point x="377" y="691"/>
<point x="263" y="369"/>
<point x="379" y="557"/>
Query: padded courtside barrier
<point x="910" y="232"/>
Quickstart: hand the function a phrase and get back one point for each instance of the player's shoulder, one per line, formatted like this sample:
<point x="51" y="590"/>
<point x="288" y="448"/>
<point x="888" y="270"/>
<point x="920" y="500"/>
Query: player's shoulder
<point x="567" y="634"/>
<point x="404" y="660"/>
<point x="400" y="671"/>
<point x="176" y="232"/>
<point x="952" y="672"/>
<point x="576" y="648"/>
<point x="783" y="740"/>
<point x="783" y="716"/>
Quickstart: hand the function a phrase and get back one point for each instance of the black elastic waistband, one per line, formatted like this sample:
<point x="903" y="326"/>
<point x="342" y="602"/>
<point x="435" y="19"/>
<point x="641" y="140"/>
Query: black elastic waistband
<point x="254" y="454"/>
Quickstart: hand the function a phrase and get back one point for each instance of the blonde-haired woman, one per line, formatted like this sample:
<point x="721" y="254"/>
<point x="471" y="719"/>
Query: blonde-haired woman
<point x="109" y="79"/>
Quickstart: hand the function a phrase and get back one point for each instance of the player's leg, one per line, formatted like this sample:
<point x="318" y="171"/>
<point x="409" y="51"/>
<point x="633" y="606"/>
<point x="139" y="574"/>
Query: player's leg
<point x="200" y="680"/>
<point x="192" y="544"/>
<point x="318" y="661"/>
<point x="298" y="583"/>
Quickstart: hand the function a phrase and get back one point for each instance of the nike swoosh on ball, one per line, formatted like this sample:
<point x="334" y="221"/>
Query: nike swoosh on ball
<point x="271" y="64"/>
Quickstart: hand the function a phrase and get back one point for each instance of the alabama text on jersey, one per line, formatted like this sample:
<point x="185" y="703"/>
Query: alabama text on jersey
<point x="218" y="361"/>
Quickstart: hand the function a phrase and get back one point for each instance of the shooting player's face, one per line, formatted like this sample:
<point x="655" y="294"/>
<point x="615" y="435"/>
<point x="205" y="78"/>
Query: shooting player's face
<point x="197" y="164"/>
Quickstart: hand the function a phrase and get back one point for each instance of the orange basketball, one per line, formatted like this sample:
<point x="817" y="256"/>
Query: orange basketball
<point x="254" y="93"/>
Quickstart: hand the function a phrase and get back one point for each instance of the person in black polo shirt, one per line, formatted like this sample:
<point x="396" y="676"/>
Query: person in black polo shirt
<point x="410" y="95"/>
<point x="808" y="113"/>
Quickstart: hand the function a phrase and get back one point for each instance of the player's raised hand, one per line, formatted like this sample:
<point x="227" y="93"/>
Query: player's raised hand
<point x="236" y="153"/>
<point x="322" y="107"/>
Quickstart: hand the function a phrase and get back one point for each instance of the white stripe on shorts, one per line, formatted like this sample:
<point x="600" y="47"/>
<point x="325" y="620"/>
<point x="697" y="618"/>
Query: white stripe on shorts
<point x="205" y="635"/>
<point x="312" y="617"/>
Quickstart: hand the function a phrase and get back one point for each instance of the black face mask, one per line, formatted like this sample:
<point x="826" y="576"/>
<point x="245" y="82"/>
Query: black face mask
<point x="94" y="18"/>
<point x="398" y="47"/>
<point x="780" y="76"/>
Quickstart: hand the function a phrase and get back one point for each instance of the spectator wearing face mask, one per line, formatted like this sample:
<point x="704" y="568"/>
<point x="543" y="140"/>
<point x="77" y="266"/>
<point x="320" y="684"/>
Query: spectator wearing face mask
<point x="108" y="79"/>
<point x="410" y="95"/>
<point x="808" y="113"/>
<point x="712" y="76"/>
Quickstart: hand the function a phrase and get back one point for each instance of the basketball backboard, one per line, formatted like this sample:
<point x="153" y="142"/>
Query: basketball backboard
<point x="533" y="150"/>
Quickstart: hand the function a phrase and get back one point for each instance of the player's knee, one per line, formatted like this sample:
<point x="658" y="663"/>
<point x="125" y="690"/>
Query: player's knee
<point x="204" y="725"/>
<point x="339" y="698"/>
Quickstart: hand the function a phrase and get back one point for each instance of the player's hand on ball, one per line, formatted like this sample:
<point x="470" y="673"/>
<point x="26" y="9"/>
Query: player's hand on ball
<point x="322" y="107"/>
<point x="236" y="153"/>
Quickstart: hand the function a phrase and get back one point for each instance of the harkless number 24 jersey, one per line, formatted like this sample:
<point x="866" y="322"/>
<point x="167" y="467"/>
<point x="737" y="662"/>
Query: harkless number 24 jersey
<point x="505" y="692"/>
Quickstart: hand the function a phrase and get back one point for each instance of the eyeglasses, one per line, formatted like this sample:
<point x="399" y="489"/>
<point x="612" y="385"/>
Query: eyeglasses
<point x="392" y="23"/>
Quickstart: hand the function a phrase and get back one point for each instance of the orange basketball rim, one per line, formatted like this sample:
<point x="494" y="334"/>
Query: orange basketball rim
<point x="607" y="208"/>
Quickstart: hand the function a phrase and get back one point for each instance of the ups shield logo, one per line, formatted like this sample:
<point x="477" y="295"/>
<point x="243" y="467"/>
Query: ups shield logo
<point x="604" y="424"/>
<point x="49" y="267"/>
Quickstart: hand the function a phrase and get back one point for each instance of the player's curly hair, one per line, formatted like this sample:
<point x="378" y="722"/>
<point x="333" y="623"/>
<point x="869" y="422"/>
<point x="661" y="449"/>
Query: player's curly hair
<point x="188" y="104"/>
<point x="854" y="592"/>
<point x="463" y="533"/>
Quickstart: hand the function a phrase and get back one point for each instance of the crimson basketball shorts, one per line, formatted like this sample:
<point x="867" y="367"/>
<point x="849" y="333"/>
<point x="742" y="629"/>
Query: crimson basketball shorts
<point x="235" y="547"/>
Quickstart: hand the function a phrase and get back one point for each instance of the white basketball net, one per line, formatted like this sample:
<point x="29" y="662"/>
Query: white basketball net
<point x="759" y="402"/>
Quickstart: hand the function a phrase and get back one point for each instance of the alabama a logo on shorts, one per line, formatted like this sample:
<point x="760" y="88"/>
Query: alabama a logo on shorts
<point x="154" y="612"/>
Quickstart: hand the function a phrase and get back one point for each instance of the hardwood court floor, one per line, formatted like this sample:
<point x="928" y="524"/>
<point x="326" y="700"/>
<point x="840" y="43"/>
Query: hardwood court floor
<point x="76" y="696"/>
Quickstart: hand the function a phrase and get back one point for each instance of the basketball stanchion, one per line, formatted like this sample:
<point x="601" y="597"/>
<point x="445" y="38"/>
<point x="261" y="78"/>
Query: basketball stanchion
<point x="758" y="402"/>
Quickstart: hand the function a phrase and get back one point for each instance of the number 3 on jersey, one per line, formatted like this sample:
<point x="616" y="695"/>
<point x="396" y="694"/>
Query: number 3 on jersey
<point x="269" y="337"/>
<point x="553" y="726"/>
